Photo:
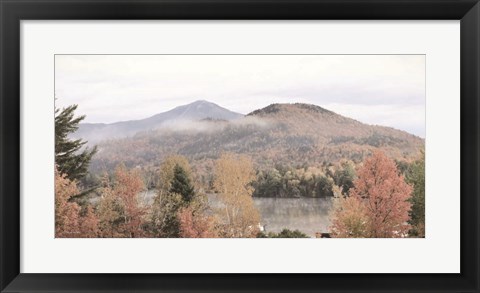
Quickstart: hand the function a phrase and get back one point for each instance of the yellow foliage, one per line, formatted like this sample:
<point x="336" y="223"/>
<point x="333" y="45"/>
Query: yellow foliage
<point x="233" y="175"/>
<point x="166" y="171"/>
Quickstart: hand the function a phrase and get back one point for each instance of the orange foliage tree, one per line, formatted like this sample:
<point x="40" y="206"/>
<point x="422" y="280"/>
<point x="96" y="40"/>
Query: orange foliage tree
<point x="128" y="185"/>
<point x="66" y="213"/>
<point x="120" y="213"/>
<point x="379" y="205"/>
<point x="89" y="224"/>
<point x="68" y="220"/>
<point x="195" y="224"/>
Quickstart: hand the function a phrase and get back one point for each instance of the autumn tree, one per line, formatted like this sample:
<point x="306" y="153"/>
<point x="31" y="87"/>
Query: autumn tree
<point x="350" y="218"/>
<point x="233" y="175"/>
<point x="379" y="205"/>
<point x="69" y="223"/>
<point x="195" y="222"/>
<point x="89" y="225"/>
<point x="128" y="185"/>
<point x="111" y="212"/>
<point x="386" y="195"/>
<point x="71" y="160"/>
<point x="120" y="212"/>
<point x="66" y="213"/>
<point x="416" y="177"/>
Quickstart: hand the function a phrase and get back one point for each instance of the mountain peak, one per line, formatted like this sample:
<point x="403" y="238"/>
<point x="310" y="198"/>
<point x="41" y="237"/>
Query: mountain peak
<point x="201" y="109"/>
<point x="201" y="102"/>
<point x="287" y="107"/>
<point x="195" y="111"/>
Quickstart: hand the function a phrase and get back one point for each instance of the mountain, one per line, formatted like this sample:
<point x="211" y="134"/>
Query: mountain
<point x="280" y="134"/>
<point x="327" y="127"/>
<point x="198" y="110"/>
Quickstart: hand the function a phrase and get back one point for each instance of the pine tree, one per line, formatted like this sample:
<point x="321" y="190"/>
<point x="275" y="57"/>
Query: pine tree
<point x="69" y="158"/>
<point x="166" y="173"/>
<point x="163" y="220"/>
<point x="416" y="177"/>
<point x="345" y="176"/>
<point x="181" y="184"/>
<point x="169" y="200"/>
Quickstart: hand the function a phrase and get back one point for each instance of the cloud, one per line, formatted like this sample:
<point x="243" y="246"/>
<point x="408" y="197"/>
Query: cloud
<point x="375" y="89"/>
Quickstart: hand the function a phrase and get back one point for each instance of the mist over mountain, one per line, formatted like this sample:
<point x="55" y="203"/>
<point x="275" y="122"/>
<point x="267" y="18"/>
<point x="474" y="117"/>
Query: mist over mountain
<point x="182" y="115"/>
<point x="287" y="134"/>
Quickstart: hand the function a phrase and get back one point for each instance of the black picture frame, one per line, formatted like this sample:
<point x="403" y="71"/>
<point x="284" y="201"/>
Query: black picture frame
<point x="13" y="11"/>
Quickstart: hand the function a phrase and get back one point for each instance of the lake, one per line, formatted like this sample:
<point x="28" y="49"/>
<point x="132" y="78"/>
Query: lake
<point x="309" y="215"/>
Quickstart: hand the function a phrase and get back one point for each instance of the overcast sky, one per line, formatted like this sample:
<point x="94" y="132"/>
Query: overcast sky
<point x="386" y="90"/>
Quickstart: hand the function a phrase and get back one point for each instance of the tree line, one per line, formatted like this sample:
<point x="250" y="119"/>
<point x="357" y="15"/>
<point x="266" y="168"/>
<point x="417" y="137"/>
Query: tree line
<point x="283" y="181"/>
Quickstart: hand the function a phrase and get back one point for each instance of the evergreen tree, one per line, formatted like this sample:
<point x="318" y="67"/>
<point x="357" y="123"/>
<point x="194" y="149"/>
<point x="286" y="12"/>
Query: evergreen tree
<point x="345" y="176"/>
<point x="172" y="184"/>
<point x="69" y="158"/>
<point x="285" y="233"/>
<point x="164" y="222"/>
<point x="324" y="186"/>
<point x="416" y="177"/>
<point x="181" y="184"/>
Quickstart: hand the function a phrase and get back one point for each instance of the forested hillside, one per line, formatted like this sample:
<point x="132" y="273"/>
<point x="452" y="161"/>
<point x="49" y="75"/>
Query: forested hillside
<point x="284" y="140"/>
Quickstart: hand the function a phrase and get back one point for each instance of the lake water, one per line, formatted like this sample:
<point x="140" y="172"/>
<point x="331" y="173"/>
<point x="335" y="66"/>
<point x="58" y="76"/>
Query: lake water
<point x="309" y="215"/>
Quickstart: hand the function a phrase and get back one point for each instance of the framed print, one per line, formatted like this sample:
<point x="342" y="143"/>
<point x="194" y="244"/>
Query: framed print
<point x="239" y="146"/>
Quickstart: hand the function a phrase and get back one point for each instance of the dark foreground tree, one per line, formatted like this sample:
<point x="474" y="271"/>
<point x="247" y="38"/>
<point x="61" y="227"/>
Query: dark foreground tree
<point x="345" y="176"/>
<point x="169" y="200"/>
<point x="70" y="159"/>
<point x="416" y="177"/>
<point x="181" y="184"/>
<point x="285" y="233"/>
